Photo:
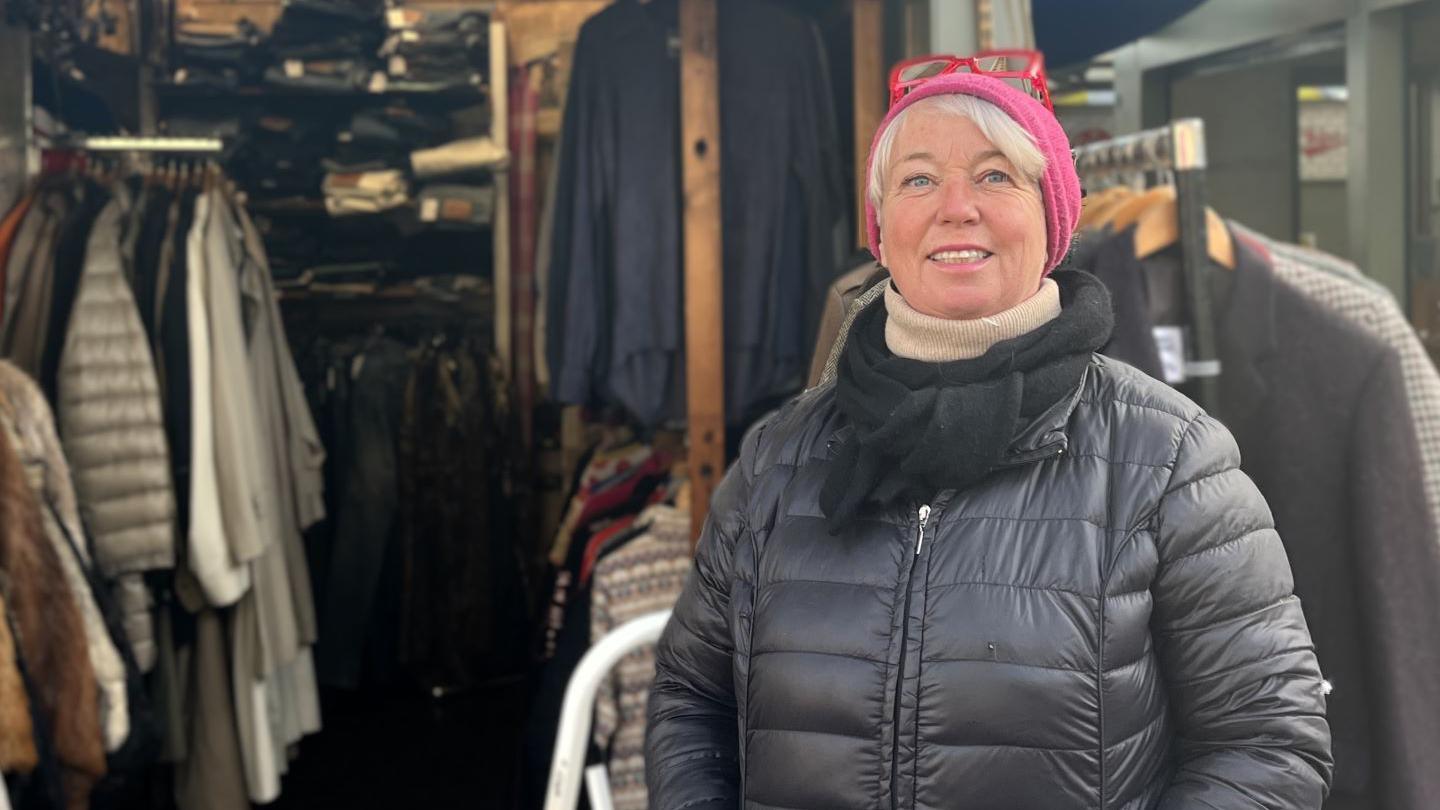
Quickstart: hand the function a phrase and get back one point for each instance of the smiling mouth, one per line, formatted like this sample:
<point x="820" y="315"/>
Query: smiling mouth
<point x="960" y="256"/>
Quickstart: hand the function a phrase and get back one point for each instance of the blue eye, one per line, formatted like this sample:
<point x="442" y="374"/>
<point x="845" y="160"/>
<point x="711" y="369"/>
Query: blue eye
<point x="995" y="176"/>
<point x="918" y="181"/>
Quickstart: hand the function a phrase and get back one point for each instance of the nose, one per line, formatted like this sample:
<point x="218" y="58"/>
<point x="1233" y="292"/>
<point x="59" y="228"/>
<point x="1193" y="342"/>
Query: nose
<point x="959" y="203"/>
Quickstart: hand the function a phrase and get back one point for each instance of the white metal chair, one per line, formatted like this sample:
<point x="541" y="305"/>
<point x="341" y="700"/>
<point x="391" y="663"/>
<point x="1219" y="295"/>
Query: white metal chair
<point x="567" y="767"/>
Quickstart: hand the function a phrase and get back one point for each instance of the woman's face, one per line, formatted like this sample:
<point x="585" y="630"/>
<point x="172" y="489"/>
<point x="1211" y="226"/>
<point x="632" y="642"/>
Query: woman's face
<point x="961" y="232"/>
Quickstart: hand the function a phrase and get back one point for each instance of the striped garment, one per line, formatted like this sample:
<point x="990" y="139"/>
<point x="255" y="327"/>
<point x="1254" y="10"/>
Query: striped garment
<point x="643" y="576"/>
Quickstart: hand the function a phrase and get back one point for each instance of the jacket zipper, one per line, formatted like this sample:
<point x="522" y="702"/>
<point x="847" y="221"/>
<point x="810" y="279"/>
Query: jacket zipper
<point x="1100" y="686"/>
<point x="1100" y="652"/>
<point x="1048" y="451"/>
<point x="924" y="514"/>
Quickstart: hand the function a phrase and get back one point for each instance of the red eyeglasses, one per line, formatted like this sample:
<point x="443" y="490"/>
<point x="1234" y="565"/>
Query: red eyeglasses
<point x="1023" y="69"/>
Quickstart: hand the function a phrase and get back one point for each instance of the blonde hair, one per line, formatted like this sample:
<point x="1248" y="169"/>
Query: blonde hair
<point x="1014" y="141"/>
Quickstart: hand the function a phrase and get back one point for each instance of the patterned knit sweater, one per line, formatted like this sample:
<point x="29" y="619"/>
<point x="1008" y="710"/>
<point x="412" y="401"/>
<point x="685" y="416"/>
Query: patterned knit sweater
<point x="643" y="576"/>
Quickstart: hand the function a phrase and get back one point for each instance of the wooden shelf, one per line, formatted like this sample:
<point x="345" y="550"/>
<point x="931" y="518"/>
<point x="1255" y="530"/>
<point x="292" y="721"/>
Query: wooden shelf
<point x="172" y="90"/>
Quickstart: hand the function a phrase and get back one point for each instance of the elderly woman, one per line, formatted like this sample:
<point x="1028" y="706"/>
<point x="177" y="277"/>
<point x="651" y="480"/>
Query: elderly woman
<point x="986" y="568"/>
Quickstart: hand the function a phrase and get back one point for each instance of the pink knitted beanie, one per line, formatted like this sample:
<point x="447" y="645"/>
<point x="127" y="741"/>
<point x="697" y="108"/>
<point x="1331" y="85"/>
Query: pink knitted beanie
<point x="1059" y="185"/>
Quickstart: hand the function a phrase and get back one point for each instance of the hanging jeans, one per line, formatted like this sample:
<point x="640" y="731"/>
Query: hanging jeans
<point x="366" y="517"/>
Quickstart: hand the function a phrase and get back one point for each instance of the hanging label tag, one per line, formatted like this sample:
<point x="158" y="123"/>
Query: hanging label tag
<point x="398" y="65"/>
<point x="456" y="210"/>
<point x="378" y="82"/>
<point x="396" y="18"/>
<point x="1170" y="345"/>
<point x="294" y="68"/>
<point x="429" y="209"/>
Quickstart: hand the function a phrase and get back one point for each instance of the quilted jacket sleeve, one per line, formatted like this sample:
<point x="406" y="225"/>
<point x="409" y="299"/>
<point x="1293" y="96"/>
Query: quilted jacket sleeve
<point x="692" y="737"/>
<point x="1244" y="684"/>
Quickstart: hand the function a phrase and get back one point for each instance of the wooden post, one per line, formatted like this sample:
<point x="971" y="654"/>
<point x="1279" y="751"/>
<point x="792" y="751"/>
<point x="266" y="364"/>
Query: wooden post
<point x="868" y="51"/>
<point x="500" y="134"/>
<point x="704" y="322"/>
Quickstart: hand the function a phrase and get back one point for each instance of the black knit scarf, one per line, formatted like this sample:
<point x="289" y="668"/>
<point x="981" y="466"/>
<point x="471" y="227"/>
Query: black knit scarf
<point x="920" y="428"/>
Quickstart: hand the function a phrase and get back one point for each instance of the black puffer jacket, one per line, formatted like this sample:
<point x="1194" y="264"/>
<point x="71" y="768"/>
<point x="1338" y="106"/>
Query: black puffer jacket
<point x="1107" y="622"/>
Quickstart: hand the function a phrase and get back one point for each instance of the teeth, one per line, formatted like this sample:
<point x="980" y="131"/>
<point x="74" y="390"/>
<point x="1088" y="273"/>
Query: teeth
<point x="960" y="256"/>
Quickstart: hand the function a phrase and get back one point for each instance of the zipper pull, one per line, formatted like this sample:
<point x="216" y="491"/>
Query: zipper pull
<point x="924" y="518"/>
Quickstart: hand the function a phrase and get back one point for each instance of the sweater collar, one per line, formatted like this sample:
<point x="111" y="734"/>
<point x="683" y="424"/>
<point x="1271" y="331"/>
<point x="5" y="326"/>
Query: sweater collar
<point x="914" y="335"/>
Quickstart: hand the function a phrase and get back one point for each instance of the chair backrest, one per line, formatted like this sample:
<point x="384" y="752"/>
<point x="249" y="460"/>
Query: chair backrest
<point x="567" y="767"/>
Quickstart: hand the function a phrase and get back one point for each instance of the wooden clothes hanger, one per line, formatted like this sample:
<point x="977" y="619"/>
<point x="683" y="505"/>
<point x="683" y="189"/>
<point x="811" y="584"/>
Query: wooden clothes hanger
<point x="1128" y="212"/>
<point x="683" y="495"/>
<point x="680" y="484"/>
<point x="1159" y="227"/>
<point x="1101" y="204"/>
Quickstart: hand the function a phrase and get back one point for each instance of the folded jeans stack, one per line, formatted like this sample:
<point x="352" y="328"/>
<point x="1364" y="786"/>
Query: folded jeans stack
<point x="365" y="192"/>
<point x="457" y="206"/>
<point x="383" y="138"/>
<point x="326" y="45"/>
<point x="218" y="55"/>
<point x="444" y="47"/>
<point x="322" y="75"/>
<point x="280" y="156"/>
<point x="458" y="157"/>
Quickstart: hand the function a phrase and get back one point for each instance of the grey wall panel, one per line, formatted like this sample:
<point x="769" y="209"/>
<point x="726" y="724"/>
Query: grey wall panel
<point x="1250" y="138"/>
<point x="15" y="118"/>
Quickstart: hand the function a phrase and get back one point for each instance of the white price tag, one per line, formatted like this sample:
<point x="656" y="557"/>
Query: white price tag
<point x="294" y="68"/>
<point x="429" y="210"/>
<point x="1170" y="344"/>
<point x="378" y="82"/>
<point x="397" y="65"/>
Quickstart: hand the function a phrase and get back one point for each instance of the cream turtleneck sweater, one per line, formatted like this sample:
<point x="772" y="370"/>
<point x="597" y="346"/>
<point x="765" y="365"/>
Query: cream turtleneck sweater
<point x="917" y="336"/>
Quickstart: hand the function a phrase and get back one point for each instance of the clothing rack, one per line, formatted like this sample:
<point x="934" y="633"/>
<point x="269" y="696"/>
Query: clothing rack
<point x="74" y="152"/>
<point x="1178" y="149"/>
<point x="137" y="144"/>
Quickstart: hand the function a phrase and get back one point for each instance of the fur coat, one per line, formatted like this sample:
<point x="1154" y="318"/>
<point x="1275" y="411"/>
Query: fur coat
<point x="25" y="412"/>
<point x="17" y="731"/>
<point x="50" y="633"/>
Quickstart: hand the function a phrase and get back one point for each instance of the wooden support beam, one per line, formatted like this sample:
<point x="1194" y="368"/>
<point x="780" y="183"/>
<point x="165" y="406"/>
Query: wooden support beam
<point x="868" y="51"/>
<point x="704" y="290"/>
<point x="500" y="134"/>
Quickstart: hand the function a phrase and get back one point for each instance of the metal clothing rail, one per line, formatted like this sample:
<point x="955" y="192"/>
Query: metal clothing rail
<point x="111" y="143"/>
<point x="1178" y="148"/>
